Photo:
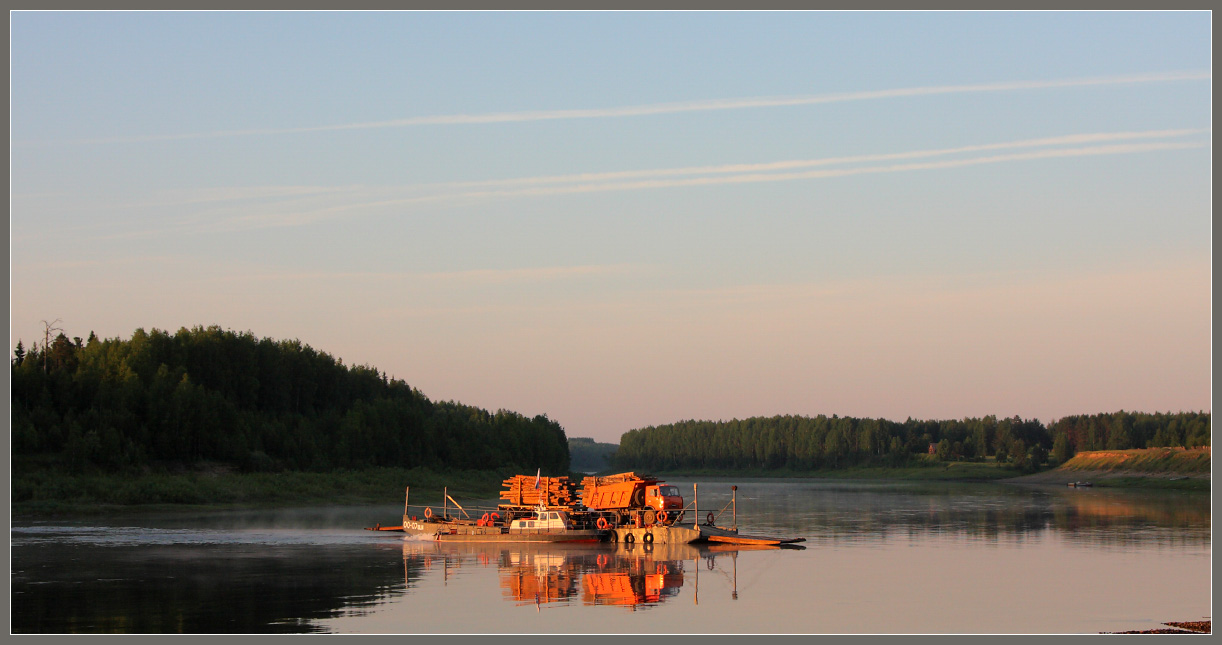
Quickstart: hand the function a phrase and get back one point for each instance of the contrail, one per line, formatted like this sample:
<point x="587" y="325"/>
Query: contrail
<point x="752" y="174"/>
<point x="674" y="108"/>
<point x="1100" y="137"/>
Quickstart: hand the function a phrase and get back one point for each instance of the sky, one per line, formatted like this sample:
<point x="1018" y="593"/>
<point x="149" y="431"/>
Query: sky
<point x="630" y="219"/>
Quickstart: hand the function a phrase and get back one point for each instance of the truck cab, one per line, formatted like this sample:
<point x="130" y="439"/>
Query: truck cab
<point x="663" y="497"/>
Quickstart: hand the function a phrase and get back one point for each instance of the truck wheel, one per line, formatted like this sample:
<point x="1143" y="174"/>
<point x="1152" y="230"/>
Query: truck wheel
<point x="650" y="517"/>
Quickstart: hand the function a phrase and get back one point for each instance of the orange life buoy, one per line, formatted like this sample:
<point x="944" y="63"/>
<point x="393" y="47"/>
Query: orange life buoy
<point x="661" y="517"/>
<point x="428" y="512"/>
<point x="602" y="524"/>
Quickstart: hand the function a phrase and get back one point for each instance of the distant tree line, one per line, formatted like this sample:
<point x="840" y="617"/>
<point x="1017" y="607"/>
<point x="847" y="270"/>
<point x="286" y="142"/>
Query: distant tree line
<point x="821" y="442"/>
<point x="207" y="394"/>
<point x="587" y="455"/>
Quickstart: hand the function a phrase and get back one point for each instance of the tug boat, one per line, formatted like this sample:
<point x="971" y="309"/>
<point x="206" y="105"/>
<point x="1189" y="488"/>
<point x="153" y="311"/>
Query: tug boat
<point x="543" y="525"/>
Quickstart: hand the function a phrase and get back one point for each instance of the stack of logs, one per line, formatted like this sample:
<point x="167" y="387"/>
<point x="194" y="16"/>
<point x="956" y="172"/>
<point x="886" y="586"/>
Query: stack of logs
<point x="615" y="479"/>
<point x="552" y="491"/>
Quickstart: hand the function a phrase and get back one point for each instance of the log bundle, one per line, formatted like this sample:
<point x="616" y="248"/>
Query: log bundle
<point x="552" y="491"/>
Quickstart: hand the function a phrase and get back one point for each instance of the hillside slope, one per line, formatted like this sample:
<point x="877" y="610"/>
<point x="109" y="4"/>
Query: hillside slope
<point x="1148" y="460"/>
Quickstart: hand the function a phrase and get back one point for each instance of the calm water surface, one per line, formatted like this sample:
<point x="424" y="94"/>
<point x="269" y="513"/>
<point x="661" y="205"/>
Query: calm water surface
<point x="879" y="558"/>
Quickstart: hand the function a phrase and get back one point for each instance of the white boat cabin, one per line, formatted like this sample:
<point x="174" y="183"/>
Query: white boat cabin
<point x="544" y="521"/>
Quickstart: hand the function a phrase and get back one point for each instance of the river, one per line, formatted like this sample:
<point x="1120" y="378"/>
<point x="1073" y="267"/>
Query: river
<point x="879" y="557"/>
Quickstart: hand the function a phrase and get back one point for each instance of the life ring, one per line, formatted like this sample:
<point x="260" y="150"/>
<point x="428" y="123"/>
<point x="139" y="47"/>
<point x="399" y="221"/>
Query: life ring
<point x="708" y="519"/>
<point x="602" y="524"/>
<point x="602" y="560"/>
<point x="662" y="517"/>
<point x="629" y="538"/>
<point x="648" y="538"/>
<point x="428" y="512"/>
<point x="492" y="515"/>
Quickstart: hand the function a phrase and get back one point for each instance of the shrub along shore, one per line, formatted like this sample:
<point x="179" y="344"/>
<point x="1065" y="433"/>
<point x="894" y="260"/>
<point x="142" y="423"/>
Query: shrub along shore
<point x="41" y="492"/>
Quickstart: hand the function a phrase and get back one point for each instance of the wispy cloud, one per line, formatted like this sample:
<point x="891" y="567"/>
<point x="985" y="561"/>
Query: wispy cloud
<point x="470" y="277"/>
<point x="676" y="108"/>
<point x="249" y="208"/>
<point x="746" y="173"/>
<point x="1074" y="139"/>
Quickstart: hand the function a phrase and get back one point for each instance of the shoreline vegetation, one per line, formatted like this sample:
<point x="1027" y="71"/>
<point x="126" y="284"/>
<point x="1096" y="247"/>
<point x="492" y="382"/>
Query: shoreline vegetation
<point x="213" y="418"/>
<point x="213" y="486"/>
<point x="46" y="493"/>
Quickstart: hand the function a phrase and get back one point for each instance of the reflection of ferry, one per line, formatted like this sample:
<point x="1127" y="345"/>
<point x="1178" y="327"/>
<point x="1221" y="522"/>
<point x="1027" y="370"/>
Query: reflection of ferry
<point x="634" y="576"/>
<point x="632" y="582"/>
<point x="537" y="577"/>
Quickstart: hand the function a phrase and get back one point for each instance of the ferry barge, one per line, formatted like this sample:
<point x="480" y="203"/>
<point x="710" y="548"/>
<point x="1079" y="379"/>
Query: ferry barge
<point x="624" y="508"/>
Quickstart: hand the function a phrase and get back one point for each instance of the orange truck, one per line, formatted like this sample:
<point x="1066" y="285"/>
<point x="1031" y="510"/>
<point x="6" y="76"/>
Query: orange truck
<point x="631" y="499"/>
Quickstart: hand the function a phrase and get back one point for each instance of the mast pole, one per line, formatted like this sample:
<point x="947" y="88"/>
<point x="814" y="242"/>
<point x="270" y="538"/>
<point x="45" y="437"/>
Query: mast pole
<point x="734" y="504"/>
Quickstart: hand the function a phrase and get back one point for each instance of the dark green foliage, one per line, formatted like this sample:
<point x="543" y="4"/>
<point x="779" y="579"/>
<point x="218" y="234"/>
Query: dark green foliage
<point x="805" y="443"/>
<point x="589" y="456"/>
<point x="1061" y="451"/>
<point x="1121" y="430"/>
<point x="207" y="394"/>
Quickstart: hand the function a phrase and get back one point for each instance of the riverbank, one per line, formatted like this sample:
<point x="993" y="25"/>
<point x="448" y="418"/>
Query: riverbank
<point x="42" y="493"/>
<point x="1121" y="479"/>
<point x="1158" y="468"/>
<point x="1162" y="468"/>
<point x="1190" y="627"/>
<point x="1180" y="461"/>
<point x="921" y="470"/>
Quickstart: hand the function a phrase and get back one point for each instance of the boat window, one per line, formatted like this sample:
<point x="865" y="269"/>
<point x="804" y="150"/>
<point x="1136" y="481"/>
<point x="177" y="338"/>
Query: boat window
<point x="553" y="516"/>
<point x="530" y="525"/>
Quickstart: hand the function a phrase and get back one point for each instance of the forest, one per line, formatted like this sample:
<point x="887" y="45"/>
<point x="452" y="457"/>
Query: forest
<point x="805" y="443"/>
<point x="161" y="400"/>
<point x="587" y="455"/>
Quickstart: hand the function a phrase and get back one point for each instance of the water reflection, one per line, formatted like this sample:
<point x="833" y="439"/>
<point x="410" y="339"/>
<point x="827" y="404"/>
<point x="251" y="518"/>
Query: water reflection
<point x="876" y="512"/>
<point x="632" y="576"/>
<point x="912" y="547"/>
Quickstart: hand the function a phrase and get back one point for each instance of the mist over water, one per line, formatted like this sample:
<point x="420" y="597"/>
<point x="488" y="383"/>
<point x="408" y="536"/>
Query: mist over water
<point x="881" y="558"/>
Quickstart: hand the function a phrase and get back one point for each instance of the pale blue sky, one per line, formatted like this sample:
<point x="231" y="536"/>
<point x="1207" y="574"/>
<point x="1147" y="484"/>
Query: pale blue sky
<point x="635" y="218"/>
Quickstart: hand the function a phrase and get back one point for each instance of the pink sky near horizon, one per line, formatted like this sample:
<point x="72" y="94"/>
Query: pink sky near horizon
<point x="939" y="346"/>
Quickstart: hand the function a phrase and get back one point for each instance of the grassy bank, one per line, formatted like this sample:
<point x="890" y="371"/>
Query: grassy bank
<point x="920" y="469"/>
<point x="47" y="492"/>
<point x="1145" y="460"/>
<point x="1156" y="468"/>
